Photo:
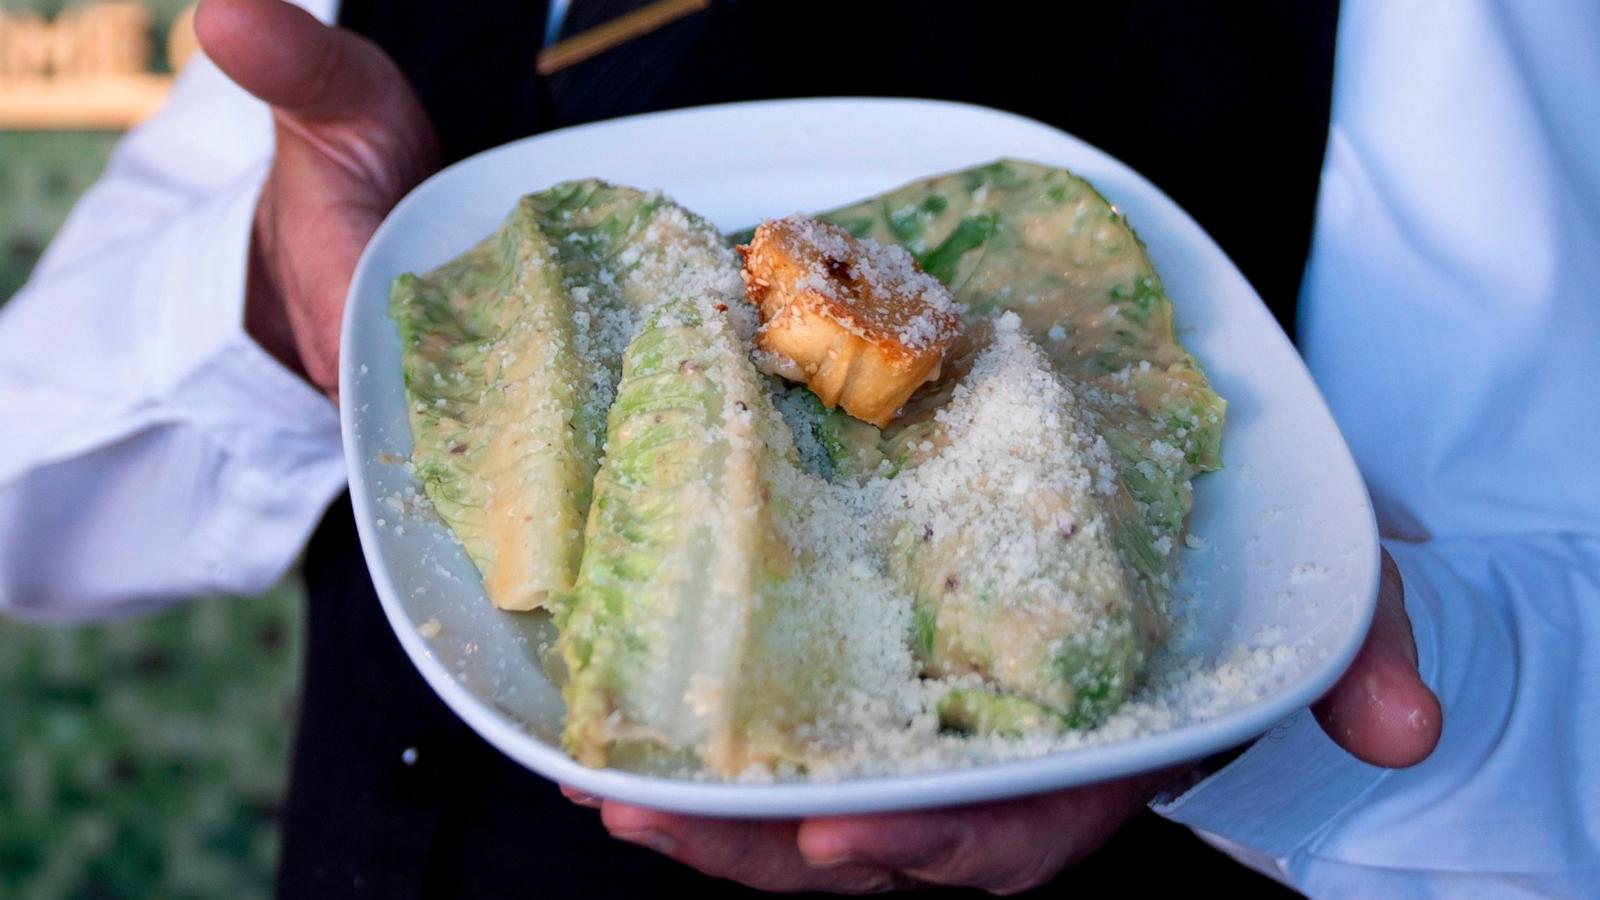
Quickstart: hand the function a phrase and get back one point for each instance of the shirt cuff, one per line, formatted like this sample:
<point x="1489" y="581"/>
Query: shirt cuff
<point x="284" y="460"/>
<point x="1271" y="803"/>
<point x="285" y="466"/>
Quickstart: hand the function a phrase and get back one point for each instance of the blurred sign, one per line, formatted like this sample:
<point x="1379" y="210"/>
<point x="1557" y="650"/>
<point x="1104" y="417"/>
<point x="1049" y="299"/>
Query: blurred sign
<point x="89" y="67"/>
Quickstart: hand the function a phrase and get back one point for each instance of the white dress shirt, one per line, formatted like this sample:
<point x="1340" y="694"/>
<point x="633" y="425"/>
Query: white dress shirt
<point x="1450" y="314"/>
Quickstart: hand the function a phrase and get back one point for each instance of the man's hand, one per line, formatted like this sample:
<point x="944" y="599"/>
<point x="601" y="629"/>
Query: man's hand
<point x="351" y="137"/>
<point x="1380" y="711"/>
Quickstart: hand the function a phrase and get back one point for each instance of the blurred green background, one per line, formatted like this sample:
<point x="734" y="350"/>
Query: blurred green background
<point x="143" y="758"/>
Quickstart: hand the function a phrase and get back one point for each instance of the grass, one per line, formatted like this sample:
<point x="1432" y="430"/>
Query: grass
<point x="147" y="758"/>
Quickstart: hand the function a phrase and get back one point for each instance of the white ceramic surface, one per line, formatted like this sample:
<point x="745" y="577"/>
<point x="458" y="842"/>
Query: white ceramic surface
<point x="1289" y="501"/>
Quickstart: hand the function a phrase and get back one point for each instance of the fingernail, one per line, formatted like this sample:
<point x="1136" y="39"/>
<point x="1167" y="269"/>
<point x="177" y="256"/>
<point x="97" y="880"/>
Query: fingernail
<point x="1419" y="722"/>
<point x="582" y="798"/>
<point x="655" y="840"/>
<point x="847" y="858"/>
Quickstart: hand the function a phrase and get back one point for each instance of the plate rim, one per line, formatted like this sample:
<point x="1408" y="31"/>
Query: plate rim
<point x="944" y="787"/>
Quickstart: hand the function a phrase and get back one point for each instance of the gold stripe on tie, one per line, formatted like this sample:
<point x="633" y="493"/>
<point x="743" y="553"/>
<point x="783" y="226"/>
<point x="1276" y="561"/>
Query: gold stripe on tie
<point x="615" y="33"/>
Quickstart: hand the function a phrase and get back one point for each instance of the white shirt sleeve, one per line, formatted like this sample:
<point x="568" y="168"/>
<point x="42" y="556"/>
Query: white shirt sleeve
<point x="1451" y="315"/>
<point x="153" y="451"/>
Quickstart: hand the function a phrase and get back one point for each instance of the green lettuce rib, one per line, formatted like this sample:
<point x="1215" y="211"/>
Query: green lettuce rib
<point x="505" y="410"/>
<point x="1027" y="588"/>
<point x="683" y="563"/>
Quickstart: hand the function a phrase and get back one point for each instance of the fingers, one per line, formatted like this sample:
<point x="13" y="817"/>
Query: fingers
<point x="350" y="139"/>
<point x="761" y="854"/>
<point x="579" y="797"/>
<point x="284" y="56"/>
<point x="1381" y="711"/>
<point x="1000" y="847"/>
<point x="337" y="95"/>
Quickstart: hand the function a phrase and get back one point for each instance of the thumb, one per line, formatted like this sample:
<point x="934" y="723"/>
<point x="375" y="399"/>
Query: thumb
<point x="281" y="54"/>
<point x="1381" y="711"/>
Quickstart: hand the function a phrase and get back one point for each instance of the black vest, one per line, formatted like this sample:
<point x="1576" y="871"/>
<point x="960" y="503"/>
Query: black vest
<point x="1223" y="105"/>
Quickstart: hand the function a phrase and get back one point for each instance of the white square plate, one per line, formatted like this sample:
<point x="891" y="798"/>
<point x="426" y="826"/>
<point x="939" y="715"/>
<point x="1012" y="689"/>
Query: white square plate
<point x="1291" y="548"/>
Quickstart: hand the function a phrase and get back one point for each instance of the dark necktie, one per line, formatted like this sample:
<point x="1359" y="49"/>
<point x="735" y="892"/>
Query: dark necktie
<point x="471" y="62"/>
<point x="626" y="79"/>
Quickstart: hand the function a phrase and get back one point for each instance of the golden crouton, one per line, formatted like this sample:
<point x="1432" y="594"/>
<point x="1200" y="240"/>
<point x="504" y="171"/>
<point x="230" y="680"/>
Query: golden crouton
<point x="859" y="323"/>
